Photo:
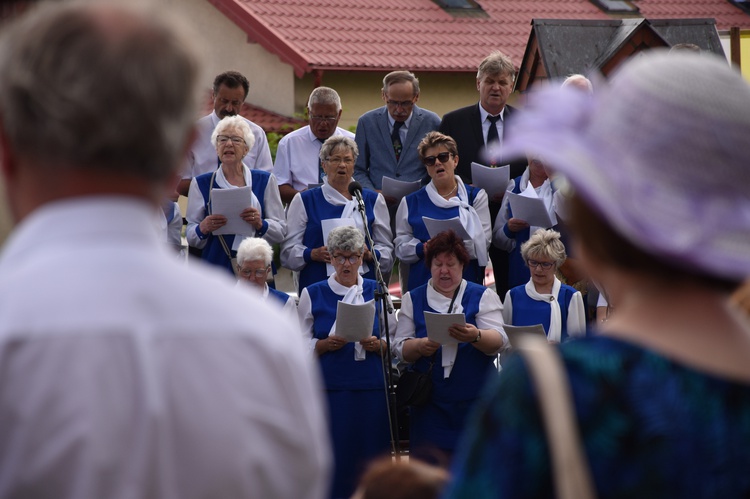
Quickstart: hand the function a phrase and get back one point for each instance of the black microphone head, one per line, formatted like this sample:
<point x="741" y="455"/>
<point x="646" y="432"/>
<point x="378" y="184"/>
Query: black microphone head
<point x="355" y="187"/>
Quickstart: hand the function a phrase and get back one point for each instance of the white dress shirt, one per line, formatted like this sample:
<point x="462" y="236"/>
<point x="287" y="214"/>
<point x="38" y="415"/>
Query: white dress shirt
<point x="202" y="156"/>
<point x="127" y="375"/>
<point x="297" y="158"/>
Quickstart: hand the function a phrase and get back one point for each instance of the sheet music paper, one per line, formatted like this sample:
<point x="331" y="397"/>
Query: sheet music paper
<point x="354" y="322"/>
<point x="493" y="180"/>
<point x="438" y="324"/>
<point x="529" y="207"/>
<point x="230" y="203"/>
<point x="398" y="188"/>
<point x="435" y="226"/>
<point x="516" y="332"/>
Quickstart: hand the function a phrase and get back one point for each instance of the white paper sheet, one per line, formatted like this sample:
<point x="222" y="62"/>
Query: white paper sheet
<point x="516" y="332"/>
<point x="493" y="180"/>
<point x="436" y="226"/>
<point x="438" y="325"/>
<point x="354" y="322"/>
<point x="398" y="188"/>
<point x="230" y="203"/>
<point x="327" y="226"/>
<point x="529" y="208"/>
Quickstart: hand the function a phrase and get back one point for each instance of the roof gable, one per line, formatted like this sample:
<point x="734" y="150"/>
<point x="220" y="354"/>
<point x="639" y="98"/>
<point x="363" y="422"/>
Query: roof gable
<point x="558" y="48"/>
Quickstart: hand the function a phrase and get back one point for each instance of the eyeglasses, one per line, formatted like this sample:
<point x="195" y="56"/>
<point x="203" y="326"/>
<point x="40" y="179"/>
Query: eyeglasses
<point x="544" y="265"/>
<point x="338" y="161"/>
<point x="341" y="260"/>
<point x="442" y="157"/>
<point x="257" y="273"/>
<point x="329" y="119"/>
<point x="400" y="103"/>
<point x="222" y="139"/>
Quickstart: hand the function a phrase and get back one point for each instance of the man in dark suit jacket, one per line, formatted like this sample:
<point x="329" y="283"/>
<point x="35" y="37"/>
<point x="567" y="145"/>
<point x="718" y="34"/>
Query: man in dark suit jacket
<point x="379" y="153"/>
<point x="479" y="125"/>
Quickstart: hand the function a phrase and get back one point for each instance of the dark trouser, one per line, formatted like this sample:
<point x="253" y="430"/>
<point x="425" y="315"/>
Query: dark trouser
<point x="499" y="258"/>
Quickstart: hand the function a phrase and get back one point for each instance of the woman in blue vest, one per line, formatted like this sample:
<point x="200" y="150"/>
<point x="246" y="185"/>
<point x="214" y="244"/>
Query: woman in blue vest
<point x="510" y="231"/>
<point x="544" y="299"/>
<point x="314" y="211"/>
<point x="352" y="372"/>
<point x="254" y="268"/>
<point x="263" y="213"/>
<point x="445" y="197"/>
<point x="458" y="370"/>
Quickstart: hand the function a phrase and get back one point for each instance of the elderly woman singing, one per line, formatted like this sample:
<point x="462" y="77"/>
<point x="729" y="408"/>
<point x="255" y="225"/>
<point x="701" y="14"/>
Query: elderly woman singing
<point x="544" y="299"/>
<point x="352" y="372"/>
<point x="254" y="269"/>
<point x="310" y="211"/>
<point x="459" y="370"/>
<point x="263" y="214"/>
<point x="445" y="197"/>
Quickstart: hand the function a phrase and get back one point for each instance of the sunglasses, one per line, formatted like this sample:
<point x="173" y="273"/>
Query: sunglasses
<point x="442" y="157"/>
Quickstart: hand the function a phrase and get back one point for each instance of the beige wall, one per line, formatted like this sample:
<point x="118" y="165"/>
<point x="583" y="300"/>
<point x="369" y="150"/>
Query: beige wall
<point x="360" y="92"/>
<point x="226" y="47"/>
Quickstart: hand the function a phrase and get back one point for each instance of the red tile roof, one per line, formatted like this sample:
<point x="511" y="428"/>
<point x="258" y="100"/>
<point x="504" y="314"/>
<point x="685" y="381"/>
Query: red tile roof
<point x="726" y="15"/>
<point x="382" y="35"/>
<point x="269" y="121"/>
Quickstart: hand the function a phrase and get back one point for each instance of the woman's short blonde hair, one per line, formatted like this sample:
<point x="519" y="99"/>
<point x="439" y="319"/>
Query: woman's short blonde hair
<point x="544" y="243"/>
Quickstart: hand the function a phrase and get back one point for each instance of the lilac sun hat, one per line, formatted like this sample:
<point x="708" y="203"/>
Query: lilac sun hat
<point x="662" y="152"/>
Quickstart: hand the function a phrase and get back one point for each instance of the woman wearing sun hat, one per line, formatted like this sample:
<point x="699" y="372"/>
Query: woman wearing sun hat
<point x="660" y="164"/>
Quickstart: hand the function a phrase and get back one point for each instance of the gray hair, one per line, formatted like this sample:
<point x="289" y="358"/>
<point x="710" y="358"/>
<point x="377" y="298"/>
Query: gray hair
<point x="325" y="96"/>
<point x="401" y="77"/>
<point x="578" y="81"/>
<point x="237" y="122"/>
<point x="254" y="248"/>
<point x="98" y="87"/>
<point x="346" y="238"/>
<point x="544" y="243"/>
<point x="496" y="63"/>
<point x="335" y="142"/>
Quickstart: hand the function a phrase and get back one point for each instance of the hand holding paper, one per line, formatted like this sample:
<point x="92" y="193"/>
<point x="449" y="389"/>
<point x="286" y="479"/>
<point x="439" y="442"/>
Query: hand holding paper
<point x="438" y="326"/>
<point x="231" y="203"/>
<point x="529" y="207"/>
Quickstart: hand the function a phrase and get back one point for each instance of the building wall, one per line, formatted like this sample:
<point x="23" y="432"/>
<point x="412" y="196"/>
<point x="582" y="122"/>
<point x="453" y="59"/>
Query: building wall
<point x="226" y="47"/>
<point x="360" y="92"/>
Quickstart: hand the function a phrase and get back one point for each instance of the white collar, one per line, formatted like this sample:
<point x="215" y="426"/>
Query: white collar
<point x="483" y="113"/>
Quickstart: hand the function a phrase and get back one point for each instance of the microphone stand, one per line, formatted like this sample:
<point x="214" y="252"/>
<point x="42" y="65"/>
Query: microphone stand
<point x="387" y="307"/>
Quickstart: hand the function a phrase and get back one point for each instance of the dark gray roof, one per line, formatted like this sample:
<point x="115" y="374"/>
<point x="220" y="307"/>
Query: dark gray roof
<point x="579" y="46"/>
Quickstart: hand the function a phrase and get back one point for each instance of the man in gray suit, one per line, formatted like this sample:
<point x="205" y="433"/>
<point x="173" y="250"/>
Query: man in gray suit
<point x="387" y="137"/>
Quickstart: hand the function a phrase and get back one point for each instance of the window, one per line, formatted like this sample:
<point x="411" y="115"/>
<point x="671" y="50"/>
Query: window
<point x="742" y="4"/>
<point x="616" y="6"/>
<point x="462" y="8"/>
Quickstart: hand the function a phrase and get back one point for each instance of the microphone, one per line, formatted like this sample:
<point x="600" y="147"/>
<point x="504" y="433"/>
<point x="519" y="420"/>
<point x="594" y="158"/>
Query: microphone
<point x="355" y="189"/>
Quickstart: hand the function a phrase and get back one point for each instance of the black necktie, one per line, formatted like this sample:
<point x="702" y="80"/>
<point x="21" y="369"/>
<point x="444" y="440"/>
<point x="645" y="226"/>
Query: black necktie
<point x="492" y="135"/>
<point x="396" y="139"/>
<point x="321" y="173"/>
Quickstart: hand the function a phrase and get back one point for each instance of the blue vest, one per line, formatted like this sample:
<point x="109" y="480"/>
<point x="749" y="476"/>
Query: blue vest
<point x="340" y="370"/>
<point x="420" y="205"/>
<point x="318" y="209"/>
<point x="518" y="272"/>
<point x="528" y="312"/>
<point x="471" y="368"/>
<point x="213" y="252"/>
<point x="279" y="295"/>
